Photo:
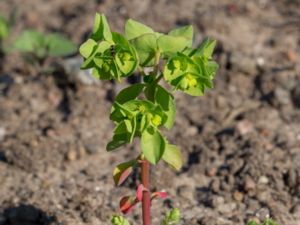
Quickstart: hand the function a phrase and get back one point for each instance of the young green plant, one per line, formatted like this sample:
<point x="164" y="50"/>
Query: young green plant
<point x="36" y="46"/>
<point x="267" y="221"/>
<point x="4" y="31"/>
<point x="142" y="110"/>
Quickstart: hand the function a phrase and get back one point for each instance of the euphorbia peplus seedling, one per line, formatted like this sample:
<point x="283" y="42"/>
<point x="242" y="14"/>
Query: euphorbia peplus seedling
<point x="142" y="110"/>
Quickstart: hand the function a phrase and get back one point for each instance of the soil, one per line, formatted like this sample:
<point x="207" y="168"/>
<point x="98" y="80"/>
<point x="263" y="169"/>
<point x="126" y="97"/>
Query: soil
<point x="240" y="142"/>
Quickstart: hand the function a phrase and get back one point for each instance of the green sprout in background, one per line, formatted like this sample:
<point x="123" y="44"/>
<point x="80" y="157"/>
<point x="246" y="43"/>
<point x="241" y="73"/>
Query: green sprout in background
<point x="4" y="31"/>
<point x="36" y="46"/>
<point x="142" y="110"/>
<point x="266" y="222"/>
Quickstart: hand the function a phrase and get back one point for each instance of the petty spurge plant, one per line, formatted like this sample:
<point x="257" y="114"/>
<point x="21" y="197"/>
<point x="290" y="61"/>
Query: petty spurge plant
<point x="143" y="109"/>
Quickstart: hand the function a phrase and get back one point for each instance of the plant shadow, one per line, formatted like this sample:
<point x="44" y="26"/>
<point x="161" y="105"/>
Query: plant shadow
<point x="26" y="214"/>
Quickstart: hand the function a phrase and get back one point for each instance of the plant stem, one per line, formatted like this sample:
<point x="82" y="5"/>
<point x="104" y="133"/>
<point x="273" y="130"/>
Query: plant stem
<point x="145" y="165"/>
<point x="156" y="63"/>
<point x="146" y="202"/>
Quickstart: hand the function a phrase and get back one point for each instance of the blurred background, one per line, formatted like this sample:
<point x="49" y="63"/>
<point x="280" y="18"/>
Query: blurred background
<point x="240" y="142"/>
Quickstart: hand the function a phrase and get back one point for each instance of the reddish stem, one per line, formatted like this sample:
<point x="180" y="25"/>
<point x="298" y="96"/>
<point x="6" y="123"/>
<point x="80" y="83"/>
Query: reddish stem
<point x="146" y="202"/>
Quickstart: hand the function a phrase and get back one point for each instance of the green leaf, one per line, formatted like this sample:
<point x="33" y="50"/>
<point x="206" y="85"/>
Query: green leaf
<point x="87" y="48"/>
<point x="270" y="222"/>
<point x="124" y="126"/>
<point x="166" y="101"/>
<point x="252" y="223"/>
<point x="170" y="45"/>
<point x="150" y="92"/>
<point x="135" y="29"/>
<point x="153" y="145"/>
<point x="172" y="217"/>
<point x="126" y="66"/>
<point x="119" y="220"/>
<point x="146" y="47"/>
<point x="121" y="40"/>
<point x="118" y="140"/>
<point x="185" y="31"/>
<point x="120" y="111"/>
<point x="207" y="47"/>
<point x="122" y="171"/>
<point x="101" y="29"/>
<point x="90" y="61"/>
<point x="187" y="75"/>
<point x="172" y="156"/>
<point x="30" y="41"/>
<point x="211" y="68"/>
<point x="58" y="45"/>
<point x="4" y="28"/>
<point x="129" y="93"/>
<point x="134" y="127"/>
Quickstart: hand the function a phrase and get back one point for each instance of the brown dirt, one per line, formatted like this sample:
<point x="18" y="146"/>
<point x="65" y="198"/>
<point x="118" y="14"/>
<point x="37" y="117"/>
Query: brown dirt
<point x="240" y="142"/>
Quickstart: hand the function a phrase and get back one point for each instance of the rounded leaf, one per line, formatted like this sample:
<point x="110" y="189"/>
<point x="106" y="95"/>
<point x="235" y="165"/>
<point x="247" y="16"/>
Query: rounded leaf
<point x="146" y="47"/>
<point x="87" y="48"/>
<point x="135" y="29"/>
<point x="170" y="45"/>
<point x="172" y="156"/>
<point x="101" y="29"/>
<point x="129" y="93"/>
<point x="119" y="220"/>
<point x="153" y="145"/>
<point x="166" y="101"/>
<point x="58" y="45"/>
<point x="122" y="171"/>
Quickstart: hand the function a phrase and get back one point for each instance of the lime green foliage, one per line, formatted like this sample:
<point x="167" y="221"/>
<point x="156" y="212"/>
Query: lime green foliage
<point x="113" y="56"/>
<point x="172" y="217"/>
<point x="41" y="45"/>
<point x="4" y="28"/>
<point x="266" y="222"/>
<point x="119" y="220"/>
<point x="142" y="110"/>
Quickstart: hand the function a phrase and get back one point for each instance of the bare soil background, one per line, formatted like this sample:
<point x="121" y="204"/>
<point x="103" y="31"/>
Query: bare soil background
<point x="240" y="142"/>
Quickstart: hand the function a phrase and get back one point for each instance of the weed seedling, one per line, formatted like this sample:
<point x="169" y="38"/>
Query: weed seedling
<point x="36" y="46"/>
<point x="143" y="109"/>
<point x="4" y="31"/>
<point x="266" y="222"/>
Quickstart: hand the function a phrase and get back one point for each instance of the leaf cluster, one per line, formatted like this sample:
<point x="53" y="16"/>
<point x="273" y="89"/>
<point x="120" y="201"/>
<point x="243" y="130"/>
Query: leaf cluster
<point x="142" y="110"/>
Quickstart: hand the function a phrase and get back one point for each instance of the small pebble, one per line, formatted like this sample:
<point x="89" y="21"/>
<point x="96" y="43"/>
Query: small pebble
<point x="211" y="172"/>
<point x="282" y="96"/>
<point x="192" y="131"/>
<point x="260" y="61"/>
<point x="249" y="184"/>
<point x="244" y="127"/>
<point x="291" y="55"/>
<point x="186" y="191"/>
<point x="92" y="148"/>
<point x="215" y="185"/>
<point x="238" y="196"/>
<point x="262" y="213"/>
<point x="263" y="180"/>
<point x="226" y="208"/>
<point x="72" y="155"/>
